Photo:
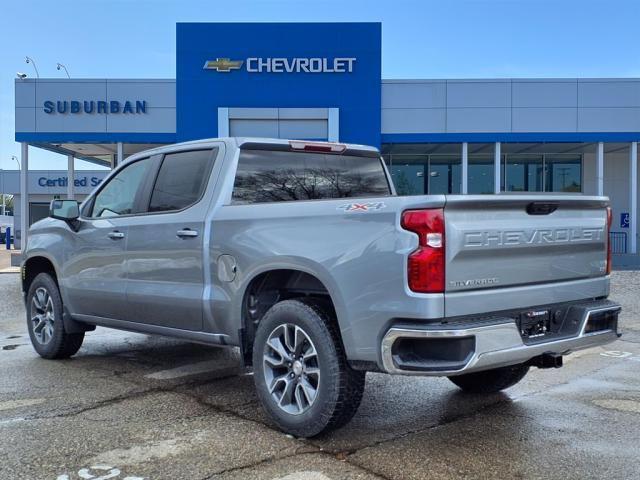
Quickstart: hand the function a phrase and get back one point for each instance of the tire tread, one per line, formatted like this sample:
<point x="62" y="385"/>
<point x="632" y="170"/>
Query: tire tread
<point x="350" y="382"/>
<point x="63" y="344"/>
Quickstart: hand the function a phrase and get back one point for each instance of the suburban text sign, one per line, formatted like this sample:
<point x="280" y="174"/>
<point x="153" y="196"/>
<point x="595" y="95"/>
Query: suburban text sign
<point x="95" y="107"/>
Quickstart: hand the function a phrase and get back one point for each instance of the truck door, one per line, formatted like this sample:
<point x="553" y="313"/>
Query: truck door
<point x="164" y="256"/>
<point x="95" y="276"/>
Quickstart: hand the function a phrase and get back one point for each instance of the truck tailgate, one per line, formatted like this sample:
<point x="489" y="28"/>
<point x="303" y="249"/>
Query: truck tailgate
<point x="501" y="241"/>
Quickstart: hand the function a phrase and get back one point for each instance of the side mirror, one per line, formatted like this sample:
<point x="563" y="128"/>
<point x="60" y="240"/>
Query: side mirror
<point x="66" y="210"/>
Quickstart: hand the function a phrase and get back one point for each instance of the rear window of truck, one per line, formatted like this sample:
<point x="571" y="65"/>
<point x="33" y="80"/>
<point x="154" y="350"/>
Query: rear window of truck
<point x="281" y="176"/>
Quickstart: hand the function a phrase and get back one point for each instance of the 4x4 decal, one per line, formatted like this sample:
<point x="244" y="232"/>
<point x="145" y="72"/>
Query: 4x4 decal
<point x="362" y="207"/>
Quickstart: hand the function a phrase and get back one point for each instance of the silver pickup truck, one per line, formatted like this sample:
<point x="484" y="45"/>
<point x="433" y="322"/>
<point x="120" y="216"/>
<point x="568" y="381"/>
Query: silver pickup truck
<point x="301" y="254"/>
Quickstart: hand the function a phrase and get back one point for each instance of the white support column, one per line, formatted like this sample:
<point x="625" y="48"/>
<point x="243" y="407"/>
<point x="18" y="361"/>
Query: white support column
<point x="3" y="200"/>
<point x="120" y="154"/>
<point x="464" y="187"/>
<point x="71" y="175"/>
<point x="496" y="168"/>
<point x="633" y="197"/>
<point x="223" y="122"/>
<point x="333" y="125"/>
<point x="24" y="195"/>
<point x="600" y="169"/>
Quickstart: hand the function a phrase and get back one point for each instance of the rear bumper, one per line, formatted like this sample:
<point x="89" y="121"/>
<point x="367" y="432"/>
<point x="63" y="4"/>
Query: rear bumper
<point x="467" y="348"/>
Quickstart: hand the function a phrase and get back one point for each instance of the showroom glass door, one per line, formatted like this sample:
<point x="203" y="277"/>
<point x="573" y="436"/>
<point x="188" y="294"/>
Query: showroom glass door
<point x="409" y="174"/>
<point x="563" y="173"/>
<point x="444" y="174"/>
<point x="524" y="173"/>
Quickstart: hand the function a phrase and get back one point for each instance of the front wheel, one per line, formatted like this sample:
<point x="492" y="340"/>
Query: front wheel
<point x="44" y="320"/>
<point x="491" y="381"/>
<point x="300" y="369"/>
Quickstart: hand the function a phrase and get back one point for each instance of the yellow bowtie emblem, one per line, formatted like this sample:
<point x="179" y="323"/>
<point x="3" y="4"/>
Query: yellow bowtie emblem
<point x="223" y="64"/>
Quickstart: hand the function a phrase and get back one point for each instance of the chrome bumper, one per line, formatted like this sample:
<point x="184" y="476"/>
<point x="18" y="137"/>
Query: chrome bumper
<point x="496" y="345"/>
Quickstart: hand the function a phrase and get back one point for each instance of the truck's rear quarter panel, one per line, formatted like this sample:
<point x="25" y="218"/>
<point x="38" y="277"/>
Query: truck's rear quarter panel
<point x="360" y="256"/>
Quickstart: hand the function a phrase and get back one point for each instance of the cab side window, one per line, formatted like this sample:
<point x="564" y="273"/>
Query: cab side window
<point x="118" y="196"/>
<point x="181" y="180"/>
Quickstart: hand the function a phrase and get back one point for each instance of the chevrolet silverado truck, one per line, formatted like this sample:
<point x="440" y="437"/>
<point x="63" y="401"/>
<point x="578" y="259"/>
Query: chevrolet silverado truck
<point x="302" y="255"/>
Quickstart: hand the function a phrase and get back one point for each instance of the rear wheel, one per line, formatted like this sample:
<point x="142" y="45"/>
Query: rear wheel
<point x="300" y="369"/>
<point x="491" y="381"/>
<point x="44" y="320"/>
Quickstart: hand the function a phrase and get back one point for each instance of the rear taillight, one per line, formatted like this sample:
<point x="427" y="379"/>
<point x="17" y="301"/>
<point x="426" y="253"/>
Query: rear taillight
<point x="609" y="220"/>
<point x="425" y="266"/>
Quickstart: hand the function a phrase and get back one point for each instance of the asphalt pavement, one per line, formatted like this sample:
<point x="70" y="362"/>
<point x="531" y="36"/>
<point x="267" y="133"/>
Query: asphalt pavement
<point x="133" y="407"/>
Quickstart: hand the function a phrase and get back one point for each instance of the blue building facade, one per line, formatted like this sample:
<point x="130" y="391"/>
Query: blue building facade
<point x="323" y="81"/>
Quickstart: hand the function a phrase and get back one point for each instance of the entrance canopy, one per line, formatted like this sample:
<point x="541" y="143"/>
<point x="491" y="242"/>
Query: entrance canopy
<point x="103" y="154"/>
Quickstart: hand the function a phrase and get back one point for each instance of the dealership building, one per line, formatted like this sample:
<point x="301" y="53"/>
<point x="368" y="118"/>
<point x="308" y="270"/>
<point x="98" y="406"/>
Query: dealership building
<point x="322" y="81"/>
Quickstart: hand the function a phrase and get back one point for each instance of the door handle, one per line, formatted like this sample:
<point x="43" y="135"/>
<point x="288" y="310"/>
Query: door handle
<point x="116" y="235"/>
<point x="187" y="233"/>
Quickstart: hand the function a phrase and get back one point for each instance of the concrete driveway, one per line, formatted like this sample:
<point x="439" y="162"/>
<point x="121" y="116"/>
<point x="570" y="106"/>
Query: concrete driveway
<point x="131" y="406"/>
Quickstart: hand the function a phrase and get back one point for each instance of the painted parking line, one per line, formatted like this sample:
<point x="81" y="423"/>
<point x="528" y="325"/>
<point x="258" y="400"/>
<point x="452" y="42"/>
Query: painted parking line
<point x="186" y="370"/>
<point x="27" y="402"/>
<point x="304" y="475"/>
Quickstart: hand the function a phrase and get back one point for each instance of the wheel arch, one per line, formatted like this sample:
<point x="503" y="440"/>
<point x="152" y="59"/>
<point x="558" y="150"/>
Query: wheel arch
<point x="41" y="263"/>
<point x="33" y="266"/>
<point x="269" y="285"/>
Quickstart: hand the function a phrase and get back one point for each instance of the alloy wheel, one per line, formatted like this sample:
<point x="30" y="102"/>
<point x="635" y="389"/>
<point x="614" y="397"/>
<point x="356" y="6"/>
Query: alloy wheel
<point x="42" y="315"/>
<point x="291" y="369"/>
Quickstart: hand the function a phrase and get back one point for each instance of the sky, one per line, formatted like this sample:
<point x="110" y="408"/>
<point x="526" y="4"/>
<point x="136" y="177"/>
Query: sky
<point x="420" y="39"/>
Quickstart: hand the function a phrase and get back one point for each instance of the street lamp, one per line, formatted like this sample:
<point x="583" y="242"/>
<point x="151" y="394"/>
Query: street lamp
<point x="30" y="60"/>
<point x="3" y="205"/>
<point x="17" y="161"/>
<point x="61" y="66"/>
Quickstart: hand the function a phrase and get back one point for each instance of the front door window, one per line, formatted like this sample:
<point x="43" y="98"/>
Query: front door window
<point x="118" y="195"/>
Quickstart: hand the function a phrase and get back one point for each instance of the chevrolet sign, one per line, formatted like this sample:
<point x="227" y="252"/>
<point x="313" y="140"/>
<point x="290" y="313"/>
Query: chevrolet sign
<point x="284" y="65"/>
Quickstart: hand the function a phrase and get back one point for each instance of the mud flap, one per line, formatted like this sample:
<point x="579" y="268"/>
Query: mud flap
<point x="73" y="326"/>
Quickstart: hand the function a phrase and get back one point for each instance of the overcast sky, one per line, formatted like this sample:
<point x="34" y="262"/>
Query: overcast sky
<point x="421" y="39"/>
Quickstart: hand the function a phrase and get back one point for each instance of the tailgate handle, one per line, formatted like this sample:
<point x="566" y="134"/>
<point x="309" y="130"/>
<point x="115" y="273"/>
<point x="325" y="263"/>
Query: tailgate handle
<point x="541" y="208"/>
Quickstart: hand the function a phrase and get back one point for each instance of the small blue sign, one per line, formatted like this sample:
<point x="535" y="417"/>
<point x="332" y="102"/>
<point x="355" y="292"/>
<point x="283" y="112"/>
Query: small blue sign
<point x="624" y="220"/>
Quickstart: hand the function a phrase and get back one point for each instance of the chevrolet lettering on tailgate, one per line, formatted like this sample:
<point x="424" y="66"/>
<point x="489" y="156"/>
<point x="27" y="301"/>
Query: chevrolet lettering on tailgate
<point x="487" y="238"/>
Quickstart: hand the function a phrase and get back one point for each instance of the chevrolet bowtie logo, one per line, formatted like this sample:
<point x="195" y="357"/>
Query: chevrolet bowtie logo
<point x="223" y="64"/>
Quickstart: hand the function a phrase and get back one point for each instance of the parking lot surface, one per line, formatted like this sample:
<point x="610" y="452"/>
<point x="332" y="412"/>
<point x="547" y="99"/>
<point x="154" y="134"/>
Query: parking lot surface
<point x="132" y="406"/>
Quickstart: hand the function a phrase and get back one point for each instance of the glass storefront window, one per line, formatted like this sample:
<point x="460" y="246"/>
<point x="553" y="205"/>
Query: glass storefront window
<point x="424" y="168"/>
<point x="408" y="173"/>
<point x="444" y="174"/>
<point x="523" y="173"/>
<point x="563" y="173"/>
<point x="480" y="174"/>
<point x="419" y="169"/>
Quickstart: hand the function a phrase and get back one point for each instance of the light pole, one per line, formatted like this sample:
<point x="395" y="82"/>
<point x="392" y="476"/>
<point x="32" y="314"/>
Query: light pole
<point x="62" y="66"/>
<point x="30" y="60"/>
<point x="19" y="168"/>
<point x="3" y="205"/>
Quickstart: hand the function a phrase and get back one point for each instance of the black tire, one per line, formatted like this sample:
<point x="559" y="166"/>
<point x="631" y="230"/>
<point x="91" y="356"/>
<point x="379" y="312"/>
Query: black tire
<point x="56" y="343"/>
<point x="491" y="381"/>
<point x="339" y="389"/>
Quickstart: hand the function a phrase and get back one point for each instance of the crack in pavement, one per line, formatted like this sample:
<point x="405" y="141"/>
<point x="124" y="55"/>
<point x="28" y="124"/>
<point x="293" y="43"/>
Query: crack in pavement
<point x="407" y="433"/>
<point x="74" y="411"/>
<point x="274" y="459"/>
